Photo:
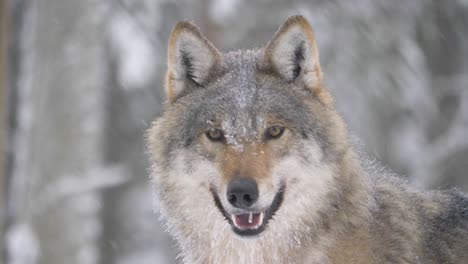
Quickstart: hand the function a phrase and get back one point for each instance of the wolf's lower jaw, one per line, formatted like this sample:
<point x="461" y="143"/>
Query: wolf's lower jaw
<point x="250" y="223"/>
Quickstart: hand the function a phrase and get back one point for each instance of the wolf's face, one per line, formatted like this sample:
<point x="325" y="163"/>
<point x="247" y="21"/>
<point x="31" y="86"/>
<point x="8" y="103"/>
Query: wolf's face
<point x="248" y="137"/>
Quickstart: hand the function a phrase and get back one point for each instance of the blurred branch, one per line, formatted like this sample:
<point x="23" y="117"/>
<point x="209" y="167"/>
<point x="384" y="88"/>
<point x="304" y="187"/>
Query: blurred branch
<point x="73" y="185"/>
<point x="449" y="143"/>
<point x="455" y="137"/>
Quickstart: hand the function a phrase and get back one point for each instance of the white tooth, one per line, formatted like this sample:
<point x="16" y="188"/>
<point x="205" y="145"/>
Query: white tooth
<point x="233" y="217"/>
<point x="250" y="218"/>
<point x="260" y="219"/>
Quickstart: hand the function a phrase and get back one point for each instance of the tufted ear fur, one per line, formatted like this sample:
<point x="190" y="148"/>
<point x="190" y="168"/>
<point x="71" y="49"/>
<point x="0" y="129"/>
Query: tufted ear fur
<point x="192" y="60"/>
<point x="292" y="53"/>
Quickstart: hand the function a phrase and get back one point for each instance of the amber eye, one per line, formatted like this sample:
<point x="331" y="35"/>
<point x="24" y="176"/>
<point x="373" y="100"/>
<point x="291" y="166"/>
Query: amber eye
<point x="215" y="135"/>
<point x="274" y="132"/>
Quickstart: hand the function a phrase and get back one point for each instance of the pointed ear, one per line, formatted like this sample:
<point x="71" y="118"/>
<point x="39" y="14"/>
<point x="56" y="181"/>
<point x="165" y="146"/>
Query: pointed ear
<point x="192" y="60"/>
<point x="292" y="53"/>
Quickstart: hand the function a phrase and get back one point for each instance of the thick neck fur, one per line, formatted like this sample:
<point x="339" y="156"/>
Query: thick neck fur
<point x="209" y="238"/>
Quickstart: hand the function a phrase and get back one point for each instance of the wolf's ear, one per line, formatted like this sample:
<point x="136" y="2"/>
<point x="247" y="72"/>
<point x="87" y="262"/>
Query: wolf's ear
<point x="192" y="59"/>
<point x="292" y="53"/>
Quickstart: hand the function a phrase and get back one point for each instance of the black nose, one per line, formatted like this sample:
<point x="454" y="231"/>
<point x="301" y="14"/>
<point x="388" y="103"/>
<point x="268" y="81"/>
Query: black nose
<point x="242" y="192"/>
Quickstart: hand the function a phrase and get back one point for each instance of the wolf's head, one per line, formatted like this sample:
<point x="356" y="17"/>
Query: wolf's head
<point x="249" y="143"/>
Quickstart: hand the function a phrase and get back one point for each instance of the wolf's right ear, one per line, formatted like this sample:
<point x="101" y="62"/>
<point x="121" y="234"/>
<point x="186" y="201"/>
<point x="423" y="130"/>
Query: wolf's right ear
<point x="192" y="59"/>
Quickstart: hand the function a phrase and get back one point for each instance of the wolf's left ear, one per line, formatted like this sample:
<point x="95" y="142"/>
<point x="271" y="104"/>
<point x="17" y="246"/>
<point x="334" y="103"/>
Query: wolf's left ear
<point x="292" y="53"/>
<point x="192" y="60"/>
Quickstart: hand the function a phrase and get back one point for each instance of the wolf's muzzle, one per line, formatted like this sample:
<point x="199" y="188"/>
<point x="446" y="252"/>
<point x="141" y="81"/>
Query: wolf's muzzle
<point x="242" y="192"/>
<point x="250" y="222"/>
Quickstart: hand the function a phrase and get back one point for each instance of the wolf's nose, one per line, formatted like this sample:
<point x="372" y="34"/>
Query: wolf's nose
<point x="242" y="192"/>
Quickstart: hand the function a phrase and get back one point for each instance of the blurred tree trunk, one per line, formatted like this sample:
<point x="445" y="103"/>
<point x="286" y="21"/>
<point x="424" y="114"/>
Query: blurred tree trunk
<point x="58" y="170"/>
<point x="132" y="233"/>
<point x="3" y="108"/>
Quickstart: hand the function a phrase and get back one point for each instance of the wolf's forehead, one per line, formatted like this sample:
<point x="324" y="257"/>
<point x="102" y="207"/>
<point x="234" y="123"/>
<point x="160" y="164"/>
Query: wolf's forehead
<point x="240" y="79"/>
<point x="240" y="98"/>
<point x="241" y="60"/>
<point x="238" y="87"/>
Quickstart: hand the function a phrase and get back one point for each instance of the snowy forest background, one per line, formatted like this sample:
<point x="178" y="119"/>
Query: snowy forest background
<point x="80" y="82"/>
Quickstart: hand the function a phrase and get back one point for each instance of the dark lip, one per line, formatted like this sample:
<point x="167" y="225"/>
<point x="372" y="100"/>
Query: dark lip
<point x="269" y="213"/>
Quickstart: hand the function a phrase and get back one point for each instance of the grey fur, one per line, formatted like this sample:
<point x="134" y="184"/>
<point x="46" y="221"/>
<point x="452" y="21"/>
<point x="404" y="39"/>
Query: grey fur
<point x="337" y="208"/>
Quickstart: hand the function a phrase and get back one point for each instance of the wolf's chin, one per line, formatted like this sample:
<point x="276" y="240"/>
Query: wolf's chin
<point x="250" y="223"/>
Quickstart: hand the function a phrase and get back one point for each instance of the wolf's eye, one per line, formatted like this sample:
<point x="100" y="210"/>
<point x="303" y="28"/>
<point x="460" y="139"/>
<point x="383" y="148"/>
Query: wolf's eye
<point x="274" y="132"/>
<point x="215" y="135"/>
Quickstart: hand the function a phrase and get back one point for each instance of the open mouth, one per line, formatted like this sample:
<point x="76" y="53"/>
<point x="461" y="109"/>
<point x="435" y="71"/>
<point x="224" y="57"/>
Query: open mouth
<point x="250" y="223"/>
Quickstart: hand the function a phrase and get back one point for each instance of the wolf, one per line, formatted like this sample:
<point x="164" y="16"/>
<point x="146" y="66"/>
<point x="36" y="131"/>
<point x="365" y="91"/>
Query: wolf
<point x="251" y="163"/>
